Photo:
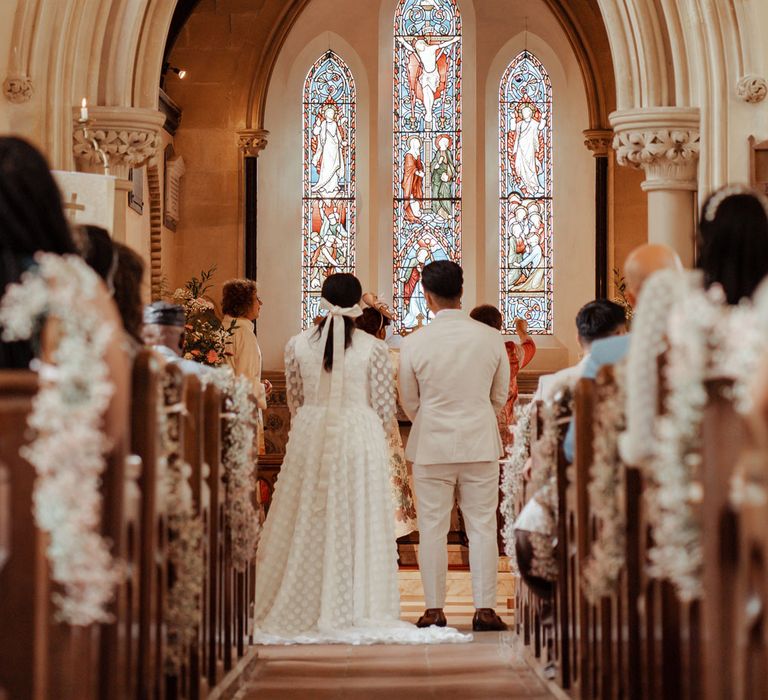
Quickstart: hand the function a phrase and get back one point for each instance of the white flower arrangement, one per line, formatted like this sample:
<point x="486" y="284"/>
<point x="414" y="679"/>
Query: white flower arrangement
<point x="512" y="480"/>
<point x="606" y="488"/>
<point x="240" y="466"/>
<point x="185" y="542"/>
<point x="69" y="446"/>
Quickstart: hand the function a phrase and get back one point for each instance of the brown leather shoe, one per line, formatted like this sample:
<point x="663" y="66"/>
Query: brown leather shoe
<point x="432" y="616"/>
<point x="486" y="620"/>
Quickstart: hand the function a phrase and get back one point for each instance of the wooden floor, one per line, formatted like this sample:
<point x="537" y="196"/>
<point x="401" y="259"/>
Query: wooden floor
<point x="491" y="667"/>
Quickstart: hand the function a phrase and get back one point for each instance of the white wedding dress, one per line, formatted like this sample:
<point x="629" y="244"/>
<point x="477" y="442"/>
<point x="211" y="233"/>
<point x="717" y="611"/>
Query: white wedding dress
<point x="327" y="563"/>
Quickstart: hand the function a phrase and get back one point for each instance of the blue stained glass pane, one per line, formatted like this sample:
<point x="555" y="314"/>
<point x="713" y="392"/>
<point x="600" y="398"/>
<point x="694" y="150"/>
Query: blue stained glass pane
<point x="525" y="195"/>
<point x="427" y="148"/>
<point x="329" y="206"/>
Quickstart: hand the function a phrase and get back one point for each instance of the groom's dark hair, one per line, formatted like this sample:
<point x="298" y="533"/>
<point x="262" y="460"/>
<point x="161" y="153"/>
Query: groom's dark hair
<point x="444" y="279"/>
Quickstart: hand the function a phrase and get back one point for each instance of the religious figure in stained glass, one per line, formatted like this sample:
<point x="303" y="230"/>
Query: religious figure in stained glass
<point x="427" y="148"/>
<point x="525" y="194"/>
<point x="328" y="235"/>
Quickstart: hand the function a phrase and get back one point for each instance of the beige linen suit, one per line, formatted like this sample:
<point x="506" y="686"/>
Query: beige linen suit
<point x="454" y="377"/>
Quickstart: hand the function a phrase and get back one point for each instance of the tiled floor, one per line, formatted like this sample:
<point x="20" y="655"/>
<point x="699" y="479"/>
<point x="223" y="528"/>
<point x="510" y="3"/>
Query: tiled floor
<point x="491" y="667"/>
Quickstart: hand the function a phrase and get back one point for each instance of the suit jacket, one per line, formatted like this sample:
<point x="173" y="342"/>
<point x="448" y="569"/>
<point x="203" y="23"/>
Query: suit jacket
<point x="454" y="378"/>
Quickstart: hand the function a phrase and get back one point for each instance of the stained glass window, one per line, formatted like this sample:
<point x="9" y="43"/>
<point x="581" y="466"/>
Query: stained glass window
<point x="328" y="224"/>
<point x="427" y="148"/>
<point x="525" y="194"/>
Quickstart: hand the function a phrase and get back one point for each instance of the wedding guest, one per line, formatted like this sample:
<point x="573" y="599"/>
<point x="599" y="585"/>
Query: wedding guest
<point x="375" y="320"/>
<point x="240" y="303"/>
<point x="163" y="330"/>
<point x="519" y="356"/>
<point x="733" y="241"/>
<point x="596" y="320"/>
<point x="127" y="281"/>
<point x="641" y="263"/>
<point x="97" y="249"/>
<point x="32" y="220"/>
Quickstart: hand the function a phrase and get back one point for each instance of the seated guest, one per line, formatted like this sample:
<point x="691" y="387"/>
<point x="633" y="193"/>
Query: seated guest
<point x="163" y="331"/>
<point x="641" y="263"/>
<point x="733" y="241"/>
<point x="519" y="356"/>
<point x="375" y="320"/>
<point x="96" y="247"/>
<point x="126" y="282"/>
<point x="596" y="320"/>
<point x="240" y="303"/>
<point x="32" y="220"/>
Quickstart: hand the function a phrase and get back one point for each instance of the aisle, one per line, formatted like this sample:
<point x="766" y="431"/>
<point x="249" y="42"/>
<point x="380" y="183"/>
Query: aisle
<point x="490" y="668"/>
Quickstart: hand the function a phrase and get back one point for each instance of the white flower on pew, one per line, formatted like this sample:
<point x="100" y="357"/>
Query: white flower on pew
<point x="239" y="461"/>
<point x="606" y="487"/>
<point x="69" y="446"/>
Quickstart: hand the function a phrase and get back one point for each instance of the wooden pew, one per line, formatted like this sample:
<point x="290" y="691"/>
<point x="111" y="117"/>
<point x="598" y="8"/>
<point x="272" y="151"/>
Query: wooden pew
<point x="750" y="623"/>
<point x="724" y="435"/>
<point x="145" y="443"/>
<point x="41" y="658"/>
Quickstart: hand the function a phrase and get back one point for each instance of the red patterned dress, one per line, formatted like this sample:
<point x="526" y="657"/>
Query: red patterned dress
<point x="519" y="356"/>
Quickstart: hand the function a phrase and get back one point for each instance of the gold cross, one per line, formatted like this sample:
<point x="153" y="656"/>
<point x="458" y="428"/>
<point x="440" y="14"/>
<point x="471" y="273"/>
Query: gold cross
<point x="73" y="207"/>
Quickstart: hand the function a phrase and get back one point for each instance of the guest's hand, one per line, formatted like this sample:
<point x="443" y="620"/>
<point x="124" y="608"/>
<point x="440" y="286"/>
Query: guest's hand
<point x="267" y="387"/>
<point x="521" y="326"/>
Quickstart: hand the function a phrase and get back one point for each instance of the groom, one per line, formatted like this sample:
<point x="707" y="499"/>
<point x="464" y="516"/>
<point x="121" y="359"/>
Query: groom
<point x="454" y="378"/>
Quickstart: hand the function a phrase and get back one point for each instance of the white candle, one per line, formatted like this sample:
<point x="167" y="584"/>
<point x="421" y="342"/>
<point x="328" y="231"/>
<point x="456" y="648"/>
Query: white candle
<point x="84" y="111"/>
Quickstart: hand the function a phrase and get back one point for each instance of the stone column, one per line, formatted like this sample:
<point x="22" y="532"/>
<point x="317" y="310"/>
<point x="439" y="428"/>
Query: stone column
<point x="251" y="143"/>
<point x="128" y="137"/>
<point x="599" y="142"/>
<point x="664" y="142"/>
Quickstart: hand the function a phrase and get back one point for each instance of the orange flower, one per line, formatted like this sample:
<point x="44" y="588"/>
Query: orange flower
<point x="212" y="357"/>
<point x="195" y="352"/>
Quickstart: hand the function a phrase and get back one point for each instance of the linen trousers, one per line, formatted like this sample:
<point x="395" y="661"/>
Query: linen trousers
<point x="478" y="484"/>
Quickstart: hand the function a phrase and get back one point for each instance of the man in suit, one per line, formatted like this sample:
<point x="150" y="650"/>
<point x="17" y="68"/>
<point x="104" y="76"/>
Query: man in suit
<point x="454" y="376"/>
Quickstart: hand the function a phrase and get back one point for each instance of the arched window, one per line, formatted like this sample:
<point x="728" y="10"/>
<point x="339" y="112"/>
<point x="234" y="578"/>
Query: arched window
<point x="525" y="194"/>
<point x="328" y="221"/>
<point x="427" y="148"/>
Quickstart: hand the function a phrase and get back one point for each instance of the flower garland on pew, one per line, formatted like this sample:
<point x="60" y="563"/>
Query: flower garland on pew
<point x="606" y="489"/>
<point x="543" y="487"/>
<point x="69" y="445"/>
<point x="239" y="466"/>
<point x="512" y="470"/>
<point x="186" y="532"/>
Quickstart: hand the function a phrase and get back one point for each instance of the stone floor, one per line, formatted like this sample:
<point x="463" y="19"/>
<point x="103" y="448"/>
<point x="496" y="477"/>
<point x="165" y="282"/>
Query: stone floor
<point x="491" y="667"/>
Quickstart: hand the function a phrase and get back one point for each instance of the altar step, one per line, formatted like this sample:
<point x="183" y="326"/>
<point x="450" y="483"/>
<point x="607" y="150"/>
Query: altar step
<point x="459" y="608"/>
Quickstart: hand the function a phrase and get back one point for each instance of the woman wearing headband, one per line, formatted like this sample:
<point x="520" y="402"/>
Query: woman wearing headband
<point x="375" y="319"/>
<point x="327" y="562"/>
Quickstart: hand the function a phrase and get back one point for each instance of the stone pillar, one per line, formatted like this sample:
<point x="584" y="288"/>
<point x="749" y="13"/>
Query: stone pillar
<point x="251" y="143"/>
<point x="128" y="137"/>
<point x="664" y="142"/>
<point x="599" y="142"/>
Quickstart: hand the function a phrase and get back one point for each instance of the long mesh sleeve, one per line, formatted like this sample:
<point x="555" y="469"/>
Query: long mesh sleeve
<point x="381" y="382"/>
<point x="294" y="385"/>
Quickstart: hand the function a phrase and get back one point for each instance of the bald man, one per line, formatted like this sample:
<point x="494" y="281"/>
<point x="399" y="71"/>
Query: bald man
<point x="641" y="263"/>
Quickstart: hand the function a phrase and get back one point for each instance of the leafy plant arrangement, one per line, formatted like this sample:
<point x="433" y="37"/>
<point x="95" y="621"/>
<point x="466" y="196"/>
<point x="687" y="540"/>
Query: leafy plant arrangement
<point x="620" y="285"/>
<point x="206" y="340"/>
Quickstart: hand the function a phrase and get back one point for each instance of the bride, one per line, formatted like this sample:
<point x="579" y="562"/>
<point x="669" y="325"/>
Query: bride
<point x="327" y="562"/>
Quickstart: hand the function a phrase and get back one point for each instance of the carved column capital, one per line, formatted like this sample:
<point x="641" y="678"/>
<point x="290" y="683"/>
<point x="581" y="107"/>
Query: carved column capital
<point x="128" y="136"/>
<point x="752" y="88"/>
<point x="252" y="142"/>
<point x="662" y="141"/>
<point x="18" y="89"/>
<point x="598" y="141"/>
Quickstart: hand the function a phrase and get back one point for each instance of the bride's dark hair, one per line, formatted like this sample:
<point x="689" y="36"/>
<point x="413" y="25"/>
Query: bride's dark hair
<point x="344" y="290"/>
